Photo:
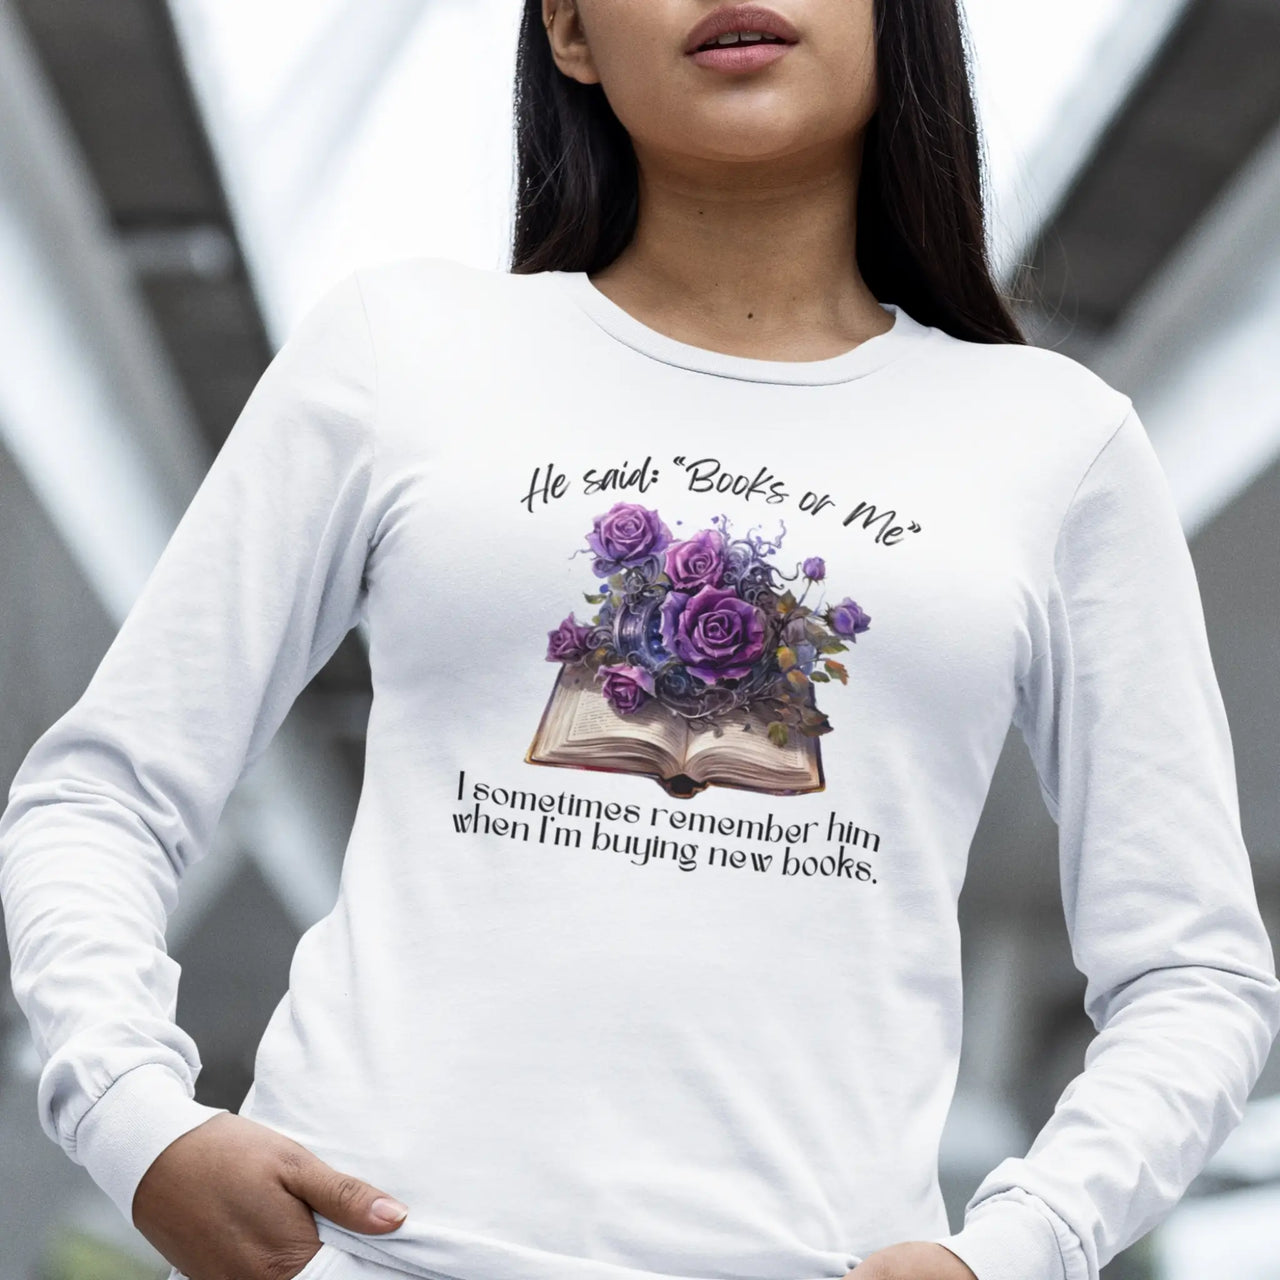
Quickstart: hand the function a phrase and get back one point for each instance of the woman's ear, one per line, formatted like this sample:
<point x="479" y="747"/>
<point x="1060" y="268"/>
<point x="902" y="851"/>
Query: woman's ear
<point x="568" y="40"/>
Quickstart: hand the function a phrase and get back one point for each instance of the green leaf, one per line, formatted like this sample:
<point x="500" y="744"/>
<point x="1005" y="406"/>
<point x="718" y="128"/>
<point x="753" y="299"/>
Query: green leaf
<point x="815" y="730"/>
<point x="814" y="721"/>
<point x="786" y="602"/>
<point x="829" y="644"/>
<point x="595" y="599"/>
<point x="820" y="676"/>
<point x="778" y="734"/>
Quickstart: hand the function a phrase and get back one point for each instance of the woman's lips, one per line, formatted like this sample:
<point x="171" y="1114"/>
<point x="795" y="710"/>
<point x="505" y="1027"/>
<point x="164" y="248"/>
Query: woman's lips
<point x="740" y="57"/>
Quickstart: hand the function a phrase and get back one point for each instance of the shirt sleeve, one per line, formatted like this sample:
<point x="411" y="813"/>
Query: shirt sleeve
<point x="1124" y="719"/>
<point x="259" y="582"/>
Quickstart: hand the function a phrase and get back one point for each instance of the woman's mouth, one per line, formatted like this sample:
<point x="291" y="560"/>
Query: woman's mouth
<point x="740" y="51"/>
<point x="740" y="37"/>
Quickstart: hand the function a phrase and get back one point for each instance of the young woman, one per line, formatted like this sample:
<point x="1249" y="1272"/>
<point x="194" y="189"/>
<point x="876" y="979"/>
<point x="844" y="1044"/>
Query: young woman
<point x="706" y="558"/>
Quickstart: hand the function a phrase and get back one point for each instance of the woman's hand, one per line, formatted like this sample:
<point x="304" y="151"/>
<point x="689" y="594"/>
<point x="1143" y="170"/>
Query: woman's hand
<point x="914" y="1260"/>
<point x="233" y="1197"/>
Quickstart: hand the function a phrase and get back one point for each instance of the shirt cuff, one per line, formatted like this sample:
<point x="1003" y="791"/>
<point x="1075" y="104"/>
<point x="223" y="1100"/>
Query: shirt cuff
<point x="120" y="1136"/>
<point x="1007" y="1240"/>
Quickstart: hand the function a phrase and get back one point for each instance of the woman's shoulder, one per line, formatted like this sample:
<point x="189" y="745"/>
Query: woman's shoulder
<point x="1039" y="381"/>
<point x="435" y="274"/>
<point x="435" y="296"/>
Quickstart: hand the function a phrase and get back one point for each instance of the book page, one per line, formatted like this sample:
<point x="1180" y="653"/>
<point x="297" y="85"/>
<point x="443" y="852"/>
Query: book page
<point x="594" y="719"/>
<point x="582" y="728"/>
<point x="751" y="755"/>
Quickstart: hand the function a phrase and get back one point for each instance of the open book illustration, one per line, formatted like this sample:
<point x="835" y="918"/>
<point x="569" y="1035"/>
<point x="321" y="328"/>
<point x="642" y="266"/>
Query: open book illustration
<point x="580" y="729"/>
<point x="701" y="665"/>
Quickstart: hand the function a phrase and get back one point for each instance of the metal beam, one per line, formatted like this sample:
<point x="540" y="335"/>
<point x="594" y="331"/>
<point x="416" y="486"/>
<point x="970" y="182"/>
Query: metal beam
<point x="1119" y="59"/>
<point x="1197" y="350"/>
<point x="304" y="133"/>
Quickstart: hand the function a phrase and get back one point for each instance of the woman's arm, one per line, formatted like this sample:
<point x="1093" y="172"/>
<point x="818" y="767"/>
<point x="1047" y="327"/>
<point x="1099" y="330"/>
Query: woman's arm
<point x="1124" y="719"/>
<point x="259" y="583"/>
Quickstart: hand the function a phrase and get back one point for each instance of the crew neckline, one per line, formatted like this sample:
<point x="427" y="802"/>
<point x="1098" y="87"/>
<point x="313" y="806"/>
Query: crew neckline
<point x="870" y="354"/>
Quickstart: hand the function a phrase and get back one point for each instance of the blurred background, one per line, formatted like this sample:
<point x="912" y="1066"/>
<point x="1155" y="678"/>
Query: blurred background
<point x="178" y="182"/>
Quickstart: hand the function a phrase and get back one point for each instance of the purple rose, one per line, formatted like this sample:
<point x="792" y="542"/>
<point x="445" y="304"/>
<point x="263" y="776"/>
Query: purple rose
<point x="697" y="562"/>
<point x="815" y="568"/>
<point x="568" y="642"/>
<point x="847" y="619"/>
<point x="625" y="535"/>
<point x="626" y="688"/>
<point x="714" y="633"/>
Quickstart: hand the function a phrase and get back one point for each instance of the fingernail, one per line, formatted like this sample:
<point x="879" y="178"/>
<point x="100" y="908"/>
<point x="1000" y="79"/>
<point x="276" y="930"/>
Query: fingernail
<point x="388" y="1210"/>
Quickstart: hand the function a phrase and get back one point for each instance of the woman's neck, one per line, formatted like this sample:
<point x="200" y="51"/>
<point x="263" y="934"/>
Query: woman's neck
<point x="756" y="260"/>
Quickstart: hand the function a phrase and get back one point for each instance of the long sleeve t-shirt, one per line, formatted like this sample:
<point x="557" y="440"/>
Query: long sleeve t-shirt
<point x="690" y="674"/>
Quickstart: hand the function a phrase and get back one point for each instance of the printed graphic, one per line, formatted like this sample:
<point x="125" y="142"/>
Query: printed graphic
<point x="701" y="666"/>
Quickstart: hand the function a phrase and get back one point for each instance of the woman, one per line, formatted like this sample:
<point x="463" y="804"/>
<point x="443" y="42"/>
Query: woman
<point x="706" y="558"/>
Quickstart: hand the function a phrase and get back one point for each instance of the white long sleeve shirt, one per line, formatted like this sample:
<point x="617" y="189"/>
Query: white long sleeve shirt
<point x="585" y="1024"/>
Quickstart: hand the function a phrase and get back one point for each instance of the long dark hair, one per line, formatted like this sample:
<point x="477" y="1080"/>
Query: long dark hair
<point x="921" y="221"/>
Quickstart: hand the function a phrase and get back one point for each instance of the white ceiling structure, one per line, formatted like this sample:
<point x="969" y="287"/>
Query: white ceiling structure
<point x="352" y="133"/>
